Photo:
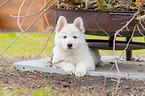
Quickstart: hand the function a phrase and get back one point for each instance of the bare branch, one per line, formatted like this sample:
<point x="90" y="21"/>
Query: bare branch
<point x="113" y="1"/>
<point x="141" y="25"/>
<point x="45" y="13"/>
<point x="140" y="31"/>
<point x="119" y="59"/>
<point x="127" y="43"/>
<point x="46" y="43"/>
<point x="38" y="43"/>
<point x="19" y="15"/>
<point x="27" y="12"/>
<point x="28" y="27"/>
<point x="106" y="76"/>
<point x="34" y="13"/>
<point x="48" y="37"/>
<point x="116" y="62"/>
<point x="20" y="26"/>
<point x="115" y="35"/>
<point x="100" y="27"/>
<point x="122" y="28"/>
<point x="4" y="3"/>
<point x="127" y="28"/>
<point x="117" y="32"/>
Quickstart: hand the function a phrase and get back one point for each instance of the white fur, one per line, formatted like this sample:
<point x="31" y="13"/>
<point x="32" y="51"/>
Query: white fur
<point x="77" y="59"/>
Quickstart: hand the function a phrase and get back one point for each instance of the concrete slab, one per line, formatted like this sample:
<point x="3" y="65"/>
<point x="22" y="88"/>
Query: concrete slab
<point x="128" y="69"/>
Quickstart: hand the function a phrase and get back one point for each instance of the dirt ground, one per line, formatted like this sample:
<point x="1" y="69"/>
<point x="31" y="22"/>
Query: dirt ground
<point x="69" y="85"/>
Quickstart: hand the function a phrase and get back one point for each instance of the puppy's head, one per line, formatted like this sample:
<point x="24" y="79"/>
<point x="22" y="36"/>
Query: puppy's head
<point x="69" y="36"/>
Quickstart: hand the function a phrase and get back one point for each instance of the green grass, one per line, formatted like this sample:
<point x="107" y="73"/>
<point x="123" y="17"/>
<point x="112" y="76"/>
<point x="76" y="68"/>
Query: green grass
<point x="27" y="47"/>
<point x="21" y="91"/>
<point x="24" y="46"/>
<point x="135" y="53"/>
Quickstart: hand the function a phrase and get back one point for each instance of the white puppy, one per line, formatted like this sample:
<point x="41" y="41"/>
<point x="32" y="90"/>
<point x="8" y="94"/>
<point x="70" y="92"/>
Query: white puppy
<point x="71" y="51"/>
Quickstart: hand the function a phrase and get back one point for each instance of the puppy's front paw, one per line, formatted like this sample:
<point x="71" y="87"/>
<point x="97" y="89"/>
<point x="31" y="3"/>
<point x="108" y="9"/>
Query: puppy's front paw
<point x="70" y="70"/>
<point x="80" y="73"/>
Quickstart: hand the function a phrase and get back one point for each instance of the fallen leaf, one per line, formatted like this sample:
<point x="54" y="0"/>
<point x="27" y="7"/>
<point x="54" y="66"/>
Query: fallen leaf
<point x="138" y="3"/>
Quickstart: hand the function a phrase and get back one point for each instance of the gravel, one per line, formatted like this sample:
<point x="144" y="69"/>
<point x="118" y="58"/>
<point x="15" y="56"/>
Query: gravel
<point x="69" y="85"/>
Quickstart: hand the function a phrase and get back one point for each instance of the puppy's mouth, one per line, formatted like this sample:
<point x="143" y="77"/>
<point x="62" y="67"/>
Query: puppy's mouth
<point x="70" y="48"/>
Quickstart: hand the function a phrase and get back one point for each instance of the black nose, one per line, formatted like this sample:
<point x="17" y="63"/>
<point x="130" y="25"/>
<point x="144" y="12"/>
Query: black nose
<point x="69" y="45"/>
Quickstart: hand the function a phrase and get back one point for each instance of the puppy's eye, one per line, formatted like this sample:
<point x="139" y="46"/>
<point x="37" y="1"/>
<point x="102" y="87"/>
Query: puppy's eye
<point x="74" y="37"/>
<point x="64" y="36"/>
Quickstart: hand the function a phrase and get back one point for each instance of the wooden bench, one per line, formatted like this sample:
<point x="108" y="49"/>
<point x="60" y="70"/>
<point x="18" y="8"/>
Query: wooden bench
<point x="96" y="22"/>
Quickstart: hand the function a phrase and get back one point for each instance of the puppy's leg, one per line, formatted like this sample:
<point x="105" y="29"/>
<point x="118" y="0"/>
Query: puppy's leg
<point x="96" y="57"/>
<point x="68" y="67"/>
<point x="83" y="66"/>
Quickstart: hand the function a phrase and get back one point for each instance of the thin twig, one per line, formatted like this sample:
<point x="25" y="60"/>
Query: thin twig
<point x="117" y="32"/>
<point x="122" y="28"/>
<point x="20" y="26"/>
<point x="113" y="1"/>
<point x="34" y="13"/>
<point x="45" y="13"/>
<point x="116" y="62"/>
<point x="141" y="25"/>
<point x="94" y="87"/>
<point x="127" y="28"/>
<point x="28" y="27"/>
<point x="18" y="22"/>
<point x="27" y="12"/>
<point x="127" y="43"/>
<point x="46" y="43"/>
<point x="123" y="22"/>
<point x="107" y="75"/>
<point x="48" y="37"/>
<point x="4" y="3"/>
<point x="19" y="15"/>
<point x="99" y="26"/>
<point x="140" y="31"/>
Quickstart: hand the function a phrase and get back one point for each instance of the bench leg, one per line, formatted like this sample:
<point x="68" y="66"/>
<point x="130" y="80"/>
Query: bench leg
<point x="128" y="52"/>
<point x="128" y="55"/>
<point x="111" y="41"/>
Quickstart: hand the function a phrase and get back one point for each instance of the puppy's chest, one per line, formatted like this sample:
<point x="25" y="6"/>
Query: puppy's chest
<point x="72" y="58"/>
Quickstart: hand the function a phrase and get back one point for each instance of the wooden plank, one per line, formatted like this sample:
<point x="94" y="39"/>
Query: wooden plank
<point x="120" y="45"/>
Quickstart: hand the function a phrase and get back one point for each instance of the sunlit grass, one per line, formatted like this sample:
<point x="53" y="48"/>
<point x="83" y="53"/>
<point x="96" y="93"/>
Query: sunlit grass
<point x="27" y="47"/>
<point x="135" y="53"/>
<point x="24" y="46"/>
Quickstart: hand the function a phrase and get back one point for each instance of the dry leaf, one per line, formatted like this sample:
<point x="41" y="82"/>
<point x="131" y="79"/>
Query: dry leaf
<point x="138" y="3"/>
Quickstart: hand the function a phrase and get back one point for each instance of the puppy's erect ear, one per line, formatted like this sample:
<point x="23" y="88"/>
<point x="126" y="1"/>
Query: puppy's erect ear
<point x="78" y="22"/>
<point x="60" y="23"/>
